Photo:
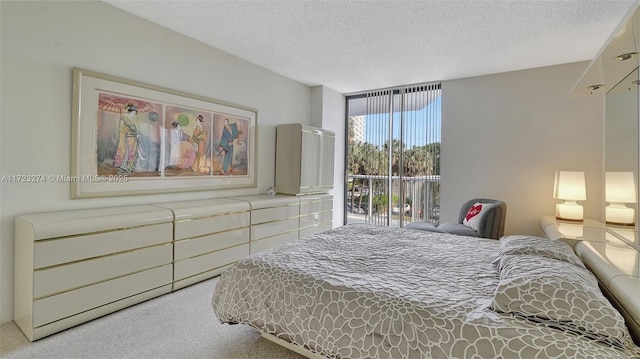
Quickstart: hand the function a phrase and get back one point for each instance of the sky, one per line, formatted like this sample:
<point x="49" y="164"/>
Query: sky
<point x="415" y="131"/>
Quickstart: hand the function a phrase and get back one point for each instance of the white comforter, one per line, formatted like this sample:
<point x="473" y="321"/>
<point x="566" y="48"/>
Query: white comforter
<point x="361" y="291"/>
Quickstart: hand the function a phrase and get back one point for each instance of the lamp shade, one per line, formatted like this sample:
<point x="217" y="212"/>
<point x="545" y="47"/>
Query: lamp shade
<point x="620" y="187"/>
<point x="570" y="185"/>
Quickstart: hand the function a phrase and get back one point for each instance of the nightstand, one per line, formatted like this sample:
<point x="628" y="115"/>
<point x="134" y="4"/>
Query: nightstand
<point x="573" y="232"/>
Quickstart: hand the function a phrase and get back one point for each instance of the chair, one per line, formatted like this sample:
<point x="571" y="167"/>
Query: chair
<point x="491" y="223"/>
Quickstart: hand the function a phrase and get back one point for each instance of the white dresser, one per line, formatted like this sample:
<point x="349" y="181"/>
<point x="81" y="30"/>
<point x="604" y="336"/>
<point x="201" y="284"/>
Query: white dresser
<point x="73" y="266"/>
<point x="209" y="236"/>
<point x="316" y="213"/>
<point x="273" y="220"/>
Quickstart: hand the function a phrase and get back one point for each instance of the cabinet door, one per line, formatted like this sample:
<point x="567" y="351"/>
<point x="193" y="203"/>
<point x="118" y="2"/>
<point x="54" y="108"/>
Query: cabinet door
<point x="326" y="161"/>
<point x="311" y="160"/>
<point x="317" y="161"/>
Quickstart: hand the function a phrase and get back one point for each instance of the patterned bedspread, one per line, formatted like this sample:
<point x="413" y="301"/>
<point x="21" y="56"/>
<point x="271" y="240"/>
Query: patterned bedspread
<point x="362" y="291"/>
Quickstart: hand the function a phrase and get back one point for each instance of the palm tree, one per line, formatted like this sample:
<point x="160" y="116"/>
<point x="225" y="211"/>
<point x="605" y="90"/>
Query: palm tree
<point x="350" y="131"/>
<point x="368" y="159"/>
<point x="422" y="161"/>
<point x="363" y="160"/>
<point x="434" y="150"/>
<point x="397" y="147"/>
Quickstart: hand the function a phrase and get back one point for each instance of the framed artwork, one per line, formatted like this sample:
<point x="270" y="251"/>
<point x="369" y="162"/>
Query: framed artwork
<point x="132" y="138"/>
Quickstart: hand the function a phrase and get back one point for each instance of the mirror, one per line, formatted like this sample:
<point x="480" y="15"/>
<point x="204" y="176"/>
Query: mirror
<point x="621" y="138"/>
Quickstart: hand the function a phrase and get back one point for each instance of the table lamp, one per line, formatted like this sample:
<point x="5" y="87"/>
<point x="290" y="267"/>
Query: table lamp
<point x="569" y="187"/>
<point x="620" y="188"/>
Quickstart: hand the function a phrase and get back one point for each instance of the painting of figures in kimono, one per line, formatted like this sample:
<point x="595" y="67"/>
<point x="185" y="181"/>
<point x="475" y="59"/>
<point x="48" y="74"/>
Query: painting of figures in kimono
<point x="188" y="143"/>
<point x="134" y="138"/>
<point x="129" y="135"/>
<point x="230" y="142"/>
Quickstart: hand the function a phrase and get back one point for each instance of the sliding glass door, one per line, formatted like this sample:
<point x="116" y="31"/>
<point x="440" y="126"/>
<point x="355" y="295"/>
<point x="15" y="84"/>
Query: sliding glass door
<point x="393" y="156"/>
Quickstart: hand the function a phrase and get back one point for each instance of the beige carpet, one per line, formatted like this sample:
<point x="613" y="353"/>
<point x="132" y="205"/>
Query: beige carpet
<point x="177" y="325"/>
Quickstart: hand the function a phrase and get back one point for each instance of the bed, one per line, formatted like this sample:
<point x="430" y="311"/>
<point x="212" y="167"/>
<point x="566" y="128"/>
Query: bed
<point x="362" y="291"/>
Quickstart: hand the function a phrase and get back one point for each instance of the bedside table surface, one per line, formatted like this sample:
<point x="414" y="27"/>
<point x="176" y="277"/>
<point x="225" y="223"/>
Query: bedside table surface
<point x="589" y="230"/>
<point x="617" y="246"/>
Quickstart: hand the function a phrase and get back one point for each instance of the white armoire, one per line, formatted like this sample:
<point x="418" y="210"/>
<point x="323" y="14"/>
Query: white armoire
<point x="304" y="159"/>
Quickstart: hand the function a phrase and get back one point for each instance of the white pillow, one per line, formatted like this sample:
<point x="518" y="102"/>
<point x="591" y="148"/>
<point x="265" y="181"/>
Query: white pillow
<point x="473" y="217"/>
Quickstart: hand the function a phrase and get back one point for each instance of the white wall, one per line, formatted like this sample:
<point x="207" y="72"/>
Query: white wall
<point x="42" y="41"/>
<point x="505" y="135"/>
<point x="328" y="112"/>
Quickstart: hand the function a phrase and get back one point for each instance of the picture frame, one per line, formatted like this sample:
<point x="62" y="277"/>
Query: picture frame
<point x="131" y="138"/>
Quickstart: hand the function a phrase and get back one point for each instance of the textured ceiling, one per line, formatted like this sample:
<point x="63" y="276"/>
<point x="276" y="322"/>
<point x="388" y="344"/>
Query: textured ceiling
<point x="352" y="46"/>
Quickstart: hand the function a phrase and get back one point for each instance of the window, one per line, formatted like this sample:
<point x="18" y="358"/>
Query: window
<point x="393" y="156"/>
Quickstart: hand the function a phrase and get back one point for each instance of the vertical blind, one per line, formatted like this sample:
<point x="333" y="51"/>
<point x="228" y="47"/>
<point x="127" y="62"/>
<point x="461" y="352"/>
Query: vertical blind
<point x="393" y="152"/>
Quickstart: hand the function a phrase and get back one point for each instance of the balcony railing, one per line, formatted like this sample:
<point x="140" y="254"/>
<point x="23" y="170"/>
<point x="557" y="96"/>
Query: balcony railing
<point x="393" y="201"/>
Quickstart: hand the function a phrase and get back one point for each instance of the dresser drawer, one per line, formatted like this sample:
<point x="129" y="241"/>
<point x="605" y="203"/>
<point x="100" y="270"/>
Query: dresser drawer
<point x="62" y="278"/>
<point x="218" y="223"/>
<point x="274" y="228"/>
<point x="66" y="304"/>
<point x="315" y="218"/>
<point x="206" y="262"/>
<point x="68" y="322"/>
<point x="274" y="214"/>
<point x="267" y="243"/>
<point x="51" y="252"/>
<point x="305" y="232"/>
<point x="201" y="245"/>
<point x="315" y="206"/>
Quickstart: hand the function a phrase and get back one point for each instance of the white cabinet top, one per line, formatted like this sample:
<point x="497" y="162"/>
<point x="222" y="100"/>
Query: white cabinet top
<point x="264" y="201"/>
<point x="67" y="223"/>
<point x="205" y="208"/>
<point x="305" y="128"/>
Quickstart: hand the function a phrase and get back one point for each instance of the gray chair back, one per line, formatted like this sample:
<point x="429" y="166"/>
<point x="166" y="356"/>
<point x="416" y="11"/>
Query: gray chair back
<point x="493" y="221"/>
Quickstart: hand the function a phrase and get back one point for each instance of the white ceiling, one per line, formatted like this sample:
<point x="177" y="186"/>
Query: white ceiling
<point x="353" y="46"/>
